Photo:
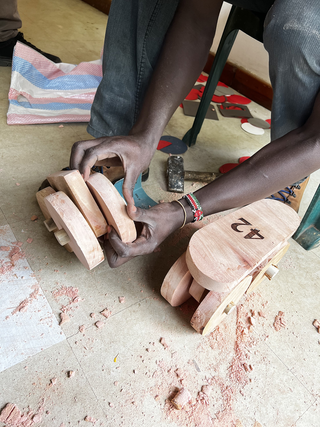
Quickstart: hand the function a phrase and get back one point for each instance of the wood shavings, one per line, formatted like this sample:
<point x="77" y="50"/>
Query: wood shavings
<point x="122" y="300"/>
<point x="92" y="315"/>
<point x="106" y="313"/>
<point x="99" y="324"/>
<point x="90" y="419"/>
<point x="163" y="342"/>
<point x="64" y="318"/>
<point x="181" y="398"/>
<point x="53" y="381"/>
<point x="12" y="416"/>
<point x="82" y="328"/>
<point x="34" y="217"/>
<point x="22" y="307"/>
<point x="71" y="374"/>
<point x="279" y="321"/>
<point x="29" y="240"/>
<point x="316" y="324"/>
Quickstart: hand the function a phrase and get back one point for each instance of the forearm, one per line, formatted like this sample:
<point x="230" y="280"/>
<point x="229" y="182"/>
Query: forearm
<point x="279" y="164"/>
<point x="182" y="59"/>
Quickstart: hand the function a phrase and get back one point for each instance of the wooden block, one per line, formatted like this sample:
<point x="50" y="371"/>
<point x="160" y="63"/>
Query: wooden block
<point x="220" y="255"/>
<point x="49" y="223"/>
<point x="41" y="195"/>
<point x="181" y="398"/>
<point x="67" y="217"/>
<point x="73" y="185"/>
<point x="260" y="275"/>
<point x="197" y="291"/>
<point x="176" y="284"/>
<point x="113" y="206"/>
<point x="216" y="306"/>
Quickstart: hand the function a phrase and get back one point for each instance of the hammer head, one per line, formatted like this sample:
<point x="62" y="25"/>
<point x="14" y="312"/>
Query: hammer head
<point x="175" y="174"/>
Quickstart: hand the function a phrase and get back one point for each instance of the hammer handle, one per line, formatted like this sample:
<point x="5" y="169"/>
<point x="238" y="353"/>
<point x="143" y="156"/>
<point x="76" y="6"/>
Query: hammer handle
<point x="199" y="176"/>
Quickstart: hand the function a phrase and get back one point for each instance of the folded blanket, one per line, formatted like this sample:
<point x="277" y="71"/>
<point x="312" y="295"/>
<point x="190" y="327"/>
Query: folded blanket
<point x="44" y="92"/>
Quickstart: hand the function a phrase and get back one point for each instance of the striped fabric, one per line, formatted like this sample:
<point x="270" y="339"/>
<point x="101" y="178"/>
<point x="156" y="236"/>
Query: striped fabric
<point x="44" y="92"/>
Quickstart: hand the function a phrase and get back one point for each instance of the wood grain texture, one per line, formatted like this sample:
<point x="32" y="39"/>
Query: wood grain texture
<point x="82" y="239"/>
<point x="197" y="291"/>
<point x="176" y="284"/>
<point x="73" y="185"/>
<point x="211" y="310"/>
<point x="260" y="276"/>
<point x="40" y="196"/>
<point x="219" y="257"/>
<point x="113" y="206"/>
<point x="49" y="223"/>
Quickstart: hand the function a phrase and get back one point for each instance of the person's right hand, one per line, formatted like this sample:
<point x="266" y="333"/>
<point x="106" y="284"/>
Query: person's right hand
<point x="134" y="152"/>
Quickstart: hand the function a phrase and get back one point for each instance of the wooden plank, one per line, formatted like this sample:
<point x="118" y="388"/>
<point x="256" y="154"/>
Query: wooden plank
<point x="221" y="254"/>
<point x="215" y="307"/>
<point x="113" y="206"/>
<point x="176" y="284"/>
<point x="67" y="217"/>
<point x="73" y="185"/>
<point x="41" y="195"/>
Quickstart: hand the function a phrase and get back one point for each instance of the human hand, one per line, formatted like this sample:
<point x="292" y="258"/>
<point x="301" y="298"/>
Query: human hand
<point x="134" y="152"/>
<point x="157" y="222"/>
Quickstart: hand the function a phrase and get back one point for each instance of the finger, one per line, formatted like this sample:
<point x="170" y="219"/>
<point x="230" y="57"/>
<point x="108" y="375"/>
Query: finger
<point x="91" y="156"/>
<point x="113" y="258"/>
<point x="78" y="149"/>
<point x="140" y="246"/>
<point x="129" y="183"/>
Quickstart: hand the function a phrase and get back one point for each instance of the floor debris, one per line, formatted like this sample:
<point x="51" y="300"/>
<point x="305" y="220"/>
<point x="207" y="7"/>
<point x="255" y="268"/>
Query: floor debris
<point x="279" y="321"/>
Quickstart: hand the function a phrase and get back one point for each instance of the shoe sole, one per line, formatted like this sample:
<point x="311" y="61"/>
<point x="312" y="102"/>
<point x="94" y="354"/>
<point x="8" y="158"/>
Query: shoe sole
<point x="5" y="61"/>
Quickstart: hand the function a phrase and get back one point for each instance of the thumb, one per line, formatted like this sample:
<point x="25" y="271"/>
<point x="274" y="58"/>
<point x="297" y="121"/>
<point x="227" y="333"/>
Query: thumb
<point x="135" y="213"/>
<point x="129" y="182"/>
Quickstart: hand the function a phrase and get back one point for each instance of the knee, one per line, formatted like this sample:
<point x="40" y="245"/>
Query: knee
<point x="292" y="30"/>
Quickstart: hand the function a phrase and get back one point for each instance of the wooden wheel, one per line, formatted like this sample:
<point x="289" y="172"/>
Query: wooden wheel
<point x="73" y="185"/>
<point x="76" y="231"/>
<point x="216" y="306"/>
<point x="263" y="273"/>
<point x="113" y="206"/>
<point x="176" y="284"/>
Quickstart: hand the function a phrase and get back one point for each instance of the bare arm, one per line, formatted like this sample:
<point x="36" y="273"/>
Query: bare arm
<point x="277" y="165"/>
<point x="182" y="58"/>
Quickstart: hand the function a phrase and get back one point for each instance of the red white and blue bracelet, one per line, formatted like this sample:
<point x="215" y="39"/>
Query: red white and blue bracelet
<point x="194" y="203"/>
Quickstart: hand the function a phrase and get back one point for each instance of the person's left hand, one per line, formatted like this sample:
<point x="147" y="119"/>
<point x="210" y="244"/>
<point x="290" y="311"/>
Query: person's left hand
<point x="158" y="223"/>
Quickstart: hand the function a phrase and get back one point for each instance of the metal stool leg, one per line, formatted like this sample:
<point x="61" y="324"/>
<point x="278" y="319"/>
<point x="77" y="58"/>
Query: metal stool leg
<point x="308" y="233"/>
<point x="239" y="19"/>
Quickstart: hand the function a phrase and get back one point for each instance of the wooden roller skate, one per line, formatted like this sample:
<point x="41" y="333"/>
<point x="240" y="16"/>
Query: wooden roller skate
<point x="228" y="258"/>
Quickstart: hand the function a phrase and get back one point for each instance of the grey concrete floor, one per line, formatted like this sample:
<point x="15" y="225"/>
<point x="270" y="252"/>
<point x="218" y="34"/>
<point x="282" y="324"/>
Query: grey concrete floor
<point x="123" y="375"/>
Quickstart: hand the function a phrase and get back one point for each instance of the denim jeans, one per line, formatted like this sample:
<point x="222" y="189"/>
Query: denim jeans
<point x="134" y="37"/>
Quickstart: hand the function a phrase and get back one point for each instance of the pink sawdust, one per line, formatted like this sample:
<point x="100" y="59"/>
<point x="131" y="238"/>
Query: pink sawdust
<point x="25" y="303"/>
<point x="70" y="293"/>
<point x="11" y="416"/>
<point x="279" y="321"/>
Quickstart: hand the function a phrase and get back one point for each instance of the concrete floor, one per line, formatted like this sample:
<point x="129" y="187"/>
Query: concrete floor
<point x="123" y="375"/>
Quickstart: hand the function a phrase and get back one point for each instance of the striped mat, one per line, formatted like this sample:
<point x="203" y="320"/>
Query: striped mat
<point x="44" y="92"/>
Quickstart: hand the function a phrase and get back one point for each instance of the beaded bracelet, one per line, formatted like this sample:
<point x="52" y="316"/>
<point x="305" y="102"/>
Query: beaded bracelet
<point x="193" y="202"/>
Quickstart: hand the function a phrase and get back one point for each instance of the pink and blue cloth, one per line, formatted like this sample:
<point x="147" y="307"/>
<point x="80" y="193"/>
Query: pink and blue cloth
<point x="44" y="92"/>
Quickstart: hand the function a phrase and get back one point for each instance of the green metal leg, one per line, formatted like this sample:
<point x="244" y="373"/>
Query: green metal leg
<point x="225" y="46"/>
<point x="308" y="233"/>
<point x="239" y="19"/>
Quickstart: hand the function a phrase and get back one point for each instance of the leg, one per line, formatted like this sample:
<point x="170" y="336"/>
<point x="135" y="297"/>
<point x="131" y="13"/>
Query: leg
<point x="135" y="33"/>
<point x="291" y="37"/>
<point x="10" y="20"/>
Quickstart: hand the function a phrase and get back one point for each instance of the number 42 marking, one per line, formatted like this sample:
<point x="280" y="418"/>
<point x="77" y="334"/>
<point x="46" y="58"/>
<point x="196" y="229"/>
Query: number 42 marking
<point x="254" y="233"/>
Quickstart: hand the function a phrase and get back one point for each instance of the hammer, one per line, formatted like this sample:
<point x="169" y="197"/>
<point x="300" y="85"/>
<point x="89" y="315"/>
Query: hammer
<point x="176" y="174"/>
